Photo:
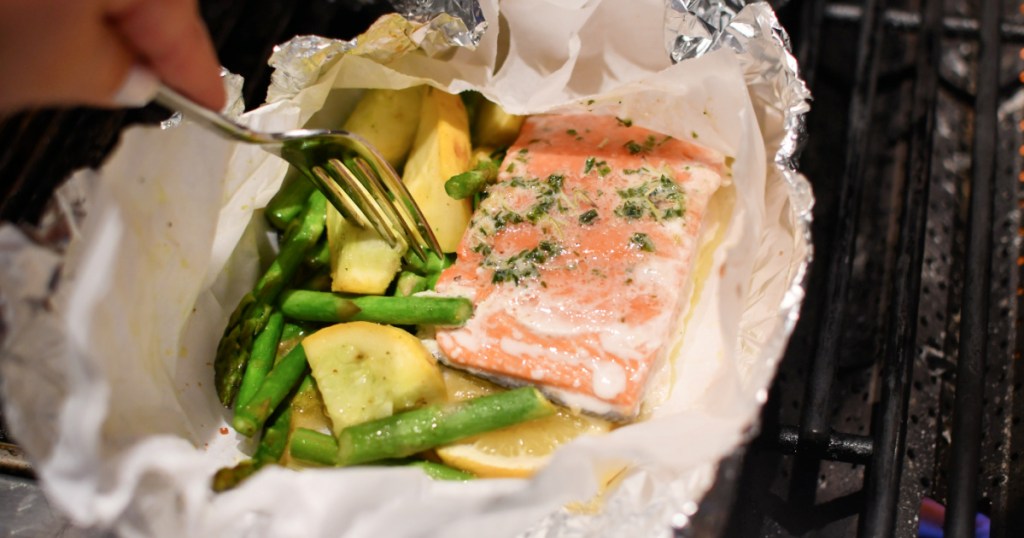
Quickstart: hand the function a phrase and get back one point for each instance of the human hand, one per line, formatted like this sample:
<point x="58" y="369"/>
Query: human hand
<point x="81" y="52"/>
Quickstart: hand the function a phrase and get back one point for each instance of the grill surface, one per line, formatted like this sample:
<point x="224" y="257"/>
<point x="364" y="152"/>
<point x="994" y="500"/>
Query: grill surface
<point x="901" y="381"/>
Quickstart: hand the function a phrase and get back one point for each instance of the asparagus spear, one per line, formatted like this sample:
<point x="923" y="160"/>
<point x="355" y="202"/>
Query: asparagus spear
<point x="294" y="249"/>
<point x="440" y="471"/>
<point x="414" y="431"/>
<point x="319" y="257"/>
<point x="434" y="263"/>
<point x="409" y="283"/>
<point x="271" y="448"/>
<point x="469" y="183"/>
<point x="275" y="437"/>
<point x="249" y="418"/>
<point x="289" y="201"/>
<point x="291" y="336"/>
<point x="230" y="477"/>
<point x="253" y="311"/>
<point x="313" y="446"/>
<point x="332" y="308"/>
<point x="261" y="358"/>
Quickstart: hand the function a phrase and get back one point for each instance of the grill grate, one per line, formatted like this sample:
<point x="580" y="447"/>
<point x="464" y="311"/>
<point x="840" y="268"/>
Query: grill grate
<point x="901" y="381"/>
<point x="897" y="383"/>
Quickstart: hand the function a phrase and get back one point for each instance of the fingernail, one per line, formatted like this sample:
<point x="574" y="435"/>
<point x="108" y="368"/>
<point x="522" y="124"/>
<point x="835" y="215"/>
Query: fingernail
<point x="138" y="88"/>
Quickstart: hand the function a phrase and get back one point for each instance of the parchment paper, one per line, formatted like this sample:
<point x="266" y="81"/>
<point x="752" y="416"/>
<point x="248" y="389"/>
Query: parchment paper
<point x="107" y="358"/>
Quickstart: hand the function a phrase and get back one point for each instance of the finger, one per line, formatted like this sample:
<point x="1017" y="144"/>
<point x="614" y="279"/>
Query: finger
<point x="80" y="61"/>
<point x="172" y="40"/>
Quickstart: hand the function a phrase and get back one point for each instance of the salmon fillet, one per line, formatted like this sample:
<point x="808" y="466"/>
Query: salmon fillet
<point x="577" y="260"/>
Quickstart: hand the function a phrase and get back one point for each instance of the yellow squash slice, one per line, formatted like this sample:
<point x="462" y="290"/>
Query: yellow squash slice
<point x="367" y="371"/>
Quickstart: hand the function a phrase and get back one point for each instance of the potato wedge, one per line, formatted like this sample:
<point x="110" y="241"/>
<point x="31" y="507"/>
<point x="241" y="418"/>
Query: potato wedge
<point x="367" y="371"/>
<point x="388" y="119"/>
<point x="440" y="151"/>
<point x="361" y="260"/>
<point x="494" y="127"/>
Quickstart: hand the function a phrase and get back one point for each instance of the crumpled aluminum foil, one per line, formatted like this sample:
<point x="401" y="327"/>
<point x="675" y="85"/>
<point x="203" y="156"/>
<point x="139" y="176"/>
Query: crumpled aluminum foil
<point x="692" y="28"/>
<point x="298" y="62"/>
<point x="434" y="26"/>
<point x="454" y="22"/>
<point x="696" y="27"/>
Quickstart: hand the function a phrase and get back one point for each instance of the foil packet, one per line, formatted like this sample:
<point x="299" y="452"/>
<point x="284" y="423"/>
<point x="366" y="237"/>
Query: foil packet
<point x="109" y="339"/>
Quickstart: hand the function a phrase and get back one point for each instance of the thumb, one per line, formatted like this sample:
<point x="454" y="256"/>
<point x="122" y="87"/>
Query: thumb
<point x="170" y="37"/>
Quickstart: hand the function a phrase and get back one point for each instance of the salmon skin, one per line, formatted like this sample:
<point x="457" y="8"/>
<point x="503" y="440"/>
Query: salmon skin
<point x="578" y="258"/>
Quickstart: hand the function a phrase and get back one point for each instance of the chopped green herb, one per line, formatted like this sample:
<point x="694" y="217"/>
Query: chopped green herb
<point x="642" y="241"/>
<point x="694" y="134"/>
<point x="602" y="166"/>
<point x="504" y="218"/>
<point x="625" y="122"/>
<point x="571" y="132"/>
<point x="482" y="249"/>
<point x="541" y="208"/>
<point x="591" y="101"/>
<point x="649" y="144"/>
<point x="511" y="168"/>
<point x="658" y="199"/>
<point x="631" y="210"/>
<point x="588" y="217"/>
<point x="524" y="264"/>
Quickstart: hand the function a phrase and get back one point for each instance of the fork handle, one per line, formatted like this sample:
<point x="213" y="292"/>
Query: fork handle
<point x="197" y="113"/>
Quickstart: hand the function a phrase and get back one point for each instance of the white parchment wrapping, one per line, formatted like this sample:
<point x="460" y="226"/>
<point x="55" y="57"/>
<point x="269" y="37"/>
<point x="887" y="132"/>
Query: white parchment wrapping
<point x="107" y="357"/>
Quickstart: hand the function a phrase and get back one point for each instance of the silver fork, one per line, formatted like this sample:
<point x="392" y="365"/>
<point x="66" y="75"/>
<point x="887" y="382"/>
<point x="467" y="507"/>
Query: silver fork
<point x="350" y="173"/>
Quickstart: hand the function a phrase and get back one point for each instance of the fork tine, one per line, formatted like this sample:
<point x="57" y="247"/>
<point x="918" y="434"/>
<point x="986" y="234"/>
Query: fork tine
<point x="338" y="197"/>
<point x="396" y="211"/>
<point x="380" y="221"/>
<point x="398" y="220"/>
<point x="413" y="219"/>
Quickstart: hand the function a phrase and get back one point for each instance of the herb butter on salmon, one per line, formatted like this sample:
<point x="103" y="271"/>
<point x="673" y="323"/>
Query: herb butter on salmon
<point x="578" y="259"/>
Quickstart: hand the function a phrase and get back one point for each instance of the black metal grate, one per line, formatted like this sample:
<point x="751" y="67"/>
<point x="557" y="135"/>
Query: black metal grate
<point x="901" y="380"/>
<point x="896" y="385"/>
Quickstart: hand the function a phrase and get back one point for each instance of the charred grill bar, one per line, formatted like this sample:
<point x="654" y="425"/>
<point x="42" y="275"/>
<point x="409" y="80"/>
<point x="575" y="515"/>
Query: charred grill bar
<point x="901" y="381"/>
<point x="906" y="108"/>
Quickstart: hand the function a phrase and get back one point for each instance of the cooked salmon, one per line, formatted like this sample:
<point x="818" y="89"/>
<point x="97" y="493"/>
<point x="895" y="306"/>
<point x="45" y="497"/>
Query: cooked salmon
<point x="578" y="258"/>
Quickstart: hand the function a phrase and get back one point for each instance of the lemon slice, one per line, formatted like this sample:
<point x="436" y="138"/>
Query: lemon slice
<point x="516" y="451"/>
